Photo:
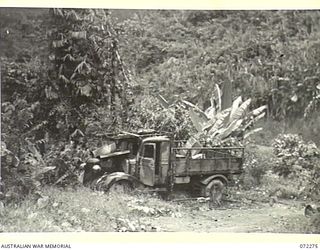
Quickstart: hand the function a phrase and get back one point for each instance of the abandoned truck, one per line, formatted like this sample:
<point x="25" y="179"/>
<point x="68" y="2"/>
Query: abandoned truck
<point x="161" y="165"/>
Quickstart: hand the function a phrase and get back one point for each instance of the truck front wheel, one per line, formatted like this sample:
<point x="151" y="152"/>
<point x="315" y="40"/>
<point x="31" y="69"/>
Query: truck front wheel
<point x="122" y="186"/>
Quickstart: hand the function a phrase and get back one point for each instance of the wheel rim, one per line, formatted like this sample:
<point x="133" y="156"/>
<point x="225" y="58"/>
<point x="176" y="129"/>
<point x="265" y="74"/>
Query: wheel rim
<point x="120" y="187"/>
<point x="214" y="183"/>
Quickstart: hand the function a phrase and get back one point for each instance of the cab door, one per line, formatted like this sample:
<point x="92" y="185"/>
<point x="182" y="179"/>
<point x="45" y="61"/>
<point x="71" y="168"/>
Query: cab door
<point x="147" y="164"/>
<point x="164" y="157"/>
<point x="154" y="163"/>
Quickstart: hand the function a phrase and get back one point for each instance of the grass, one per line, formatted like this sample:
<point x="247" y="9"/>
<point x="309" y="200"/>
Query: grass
<point x="79" y="210"/>
<point x="61" y="210"/>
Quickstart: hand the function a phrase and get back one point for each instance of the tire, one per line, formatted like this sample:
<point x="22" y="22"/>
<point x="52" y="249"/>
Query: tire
<point x="309" y="211"/>
<point x="101" y="186"/>
<point x="121" y="187"/>
<point x="216" y="189"/>
<point x="206" y="189"/>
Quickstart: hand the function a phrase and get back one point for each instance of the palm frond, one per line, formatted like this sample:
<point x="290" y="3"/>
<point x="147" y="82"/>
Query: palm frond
<point x="240" y="111"/>
<point x="196" y="120"/>
<point x="259" y="110"/>
<point x="251" y="132"/>
<point x="231" y="128"/>
<point x="210" y="112"/>
<point x="235" y="105"/>
<point x="219" y="121"/>
<point x="216" y="100"/>
<point x="193" y="142"/>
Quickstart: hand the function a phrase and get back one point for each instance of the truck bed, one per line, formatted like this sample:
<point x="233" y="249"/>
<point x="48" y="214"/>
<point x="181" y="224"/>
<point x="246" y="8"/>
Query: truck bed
<point x="206" y="161"/>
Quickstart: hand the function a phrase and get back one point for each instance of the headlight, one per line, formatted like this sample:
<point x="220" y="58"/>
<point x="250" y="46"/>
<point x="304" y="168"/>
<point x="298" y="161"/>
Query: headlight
<point x="96" y="167"/>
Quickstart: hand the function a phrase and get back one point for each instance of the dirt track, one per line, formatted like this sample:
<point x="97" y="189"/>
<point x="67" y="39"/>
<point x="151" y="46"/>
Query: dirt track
<point x="259" y="217"/>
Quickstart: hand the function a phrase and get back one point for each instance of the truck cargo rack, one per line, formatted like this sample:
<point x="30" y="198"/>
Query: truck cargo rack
<point x="208" y="160"/>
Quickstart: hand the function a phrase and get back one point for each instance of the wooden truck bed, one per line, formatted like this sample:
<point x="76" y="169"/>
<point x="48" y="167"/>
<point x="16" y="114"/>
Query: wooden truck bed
<point x="206" y="161"/>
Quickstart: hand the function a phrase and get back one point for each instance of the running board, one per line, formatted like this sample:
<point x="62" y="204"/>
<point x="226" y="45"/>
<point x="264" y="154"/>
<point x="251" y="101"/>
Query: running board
<point x="146" y="190"/>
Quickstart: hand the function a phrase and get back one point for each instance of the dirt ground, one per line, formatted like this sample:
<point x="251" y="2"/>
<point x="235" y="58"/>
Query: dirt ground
<point x="236" y="217"/>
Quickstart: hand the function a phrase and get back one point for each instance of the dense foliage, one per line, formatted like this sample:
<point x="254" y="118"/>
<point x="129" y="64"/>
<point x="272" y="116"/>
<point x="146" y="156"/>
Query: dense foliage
<point x="48" y="96"/>
<point x="270" y="56"/>
<point x="86" y="70"/>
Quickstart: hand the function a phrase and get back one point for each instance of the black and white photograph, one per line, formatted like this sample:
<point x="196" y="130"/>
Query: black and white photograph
<point x="159" y="120"/>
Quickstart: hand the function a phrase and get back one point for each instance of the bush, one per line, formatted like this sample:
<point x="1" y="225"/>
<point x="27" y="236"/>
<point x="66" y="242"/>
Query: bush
<point x="314" y="226"/>
<point x="299" y="162"/>
<point x="258" y="160"/>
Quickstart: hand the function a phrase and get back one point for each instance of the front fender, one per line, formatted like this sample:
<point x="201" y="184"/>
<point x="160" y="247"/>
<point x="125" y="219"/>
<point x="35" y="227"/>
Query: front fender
<point x="207" y="180"/>
<point x="106" y="181"/>
<point x="207" y="186"/>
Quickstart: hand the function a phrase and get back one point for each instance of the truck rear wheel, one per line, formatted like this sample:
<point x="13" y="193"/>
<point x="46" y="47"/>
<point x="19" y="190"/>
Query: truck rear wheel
<point x="206" y="189"/>
<point x="216" y="188"/>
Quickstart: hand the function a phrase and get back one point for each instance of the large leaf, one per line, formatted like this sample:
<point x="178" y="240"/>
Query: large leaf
<point x="193" y="142"/>
<point x="215" y="101"/>
<point x="165" y="104"/>
<point x="254" y="120"/>
<point x="219" y="121"/>
<point x="257" y="118"/>
<point x="201" y="114"/>
<point x="210" y="112"/>
<point x="196" y="120"/>
<point x="259" y="110"/>
<point x="235" y="105"/>
<point x="240" y="111"/>
<point x="232" y="127"/>
<point x="216" y="98"/>
<point x="209" y="124"/>
<point x="251" y="132"/>
<point x="188" y="104"/>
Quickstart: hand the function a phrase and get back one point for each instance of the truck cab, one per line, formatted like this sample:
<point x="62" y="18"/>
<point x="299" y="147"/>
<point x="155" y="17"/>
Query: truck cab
<point x="153" y="161"/>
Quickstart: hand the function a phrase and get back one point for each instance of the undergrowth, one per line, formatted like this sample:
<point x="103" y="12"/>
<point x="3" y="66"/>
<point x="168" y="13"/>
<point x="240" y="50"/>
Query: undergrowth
<point x="78" y="210"/>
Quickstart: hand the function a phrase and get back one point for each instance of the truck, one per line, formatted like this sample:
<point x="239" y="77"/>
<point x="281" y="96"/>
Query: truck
<point x="163" y="165"/>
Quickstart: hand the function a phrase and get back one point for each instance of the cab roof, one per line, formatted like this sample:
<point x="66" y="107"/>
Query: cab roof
<point x="156" y="139"/>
